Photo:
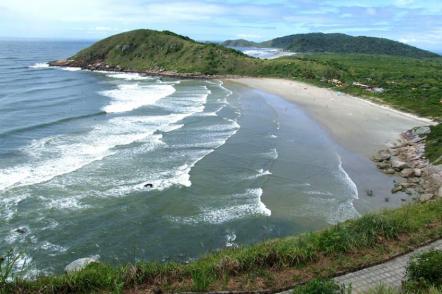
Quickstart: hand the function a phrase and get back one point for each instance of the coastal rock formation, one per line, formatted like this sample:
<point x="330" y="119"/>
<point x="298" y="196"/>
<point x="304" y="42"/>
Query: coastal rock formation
<point x="81" y="263"/>
<point x="406" y="158"/>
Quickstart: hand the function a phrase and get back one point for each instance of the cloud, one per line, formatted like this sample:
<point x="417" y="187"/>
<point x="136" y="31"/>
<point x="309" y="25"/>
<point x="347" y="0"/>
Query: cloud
<point x="414" y="21"/>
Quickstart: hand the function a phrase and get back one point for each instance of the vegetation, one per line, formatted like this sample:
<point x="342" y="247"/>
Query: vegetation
<point x="409" y="84"/>
<point x="336" y="43"/>
<point x="425" y="271"/>
<point x="142" y="50"/>
<point x="8" y="263"/>
<point x="240" y="43"/>
<point x="272" y="264"/>
<point x="433" y="148"/>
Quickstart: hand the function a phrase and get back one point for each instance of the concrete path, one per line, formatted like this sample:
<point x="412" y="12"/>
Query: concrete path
<point x="390" y="273"/>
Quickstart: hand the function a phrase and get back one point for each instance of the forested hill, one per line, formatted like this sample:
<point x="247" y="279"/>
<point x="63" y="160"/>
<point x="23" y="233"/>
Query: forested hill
<point x="337" y="43"/>
<point x="159" y="51"/>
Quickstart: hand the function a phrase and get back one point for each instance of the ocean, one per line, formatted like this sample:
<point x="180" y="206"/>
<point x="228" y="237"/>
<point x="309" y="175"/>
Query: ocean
<point x="133" y="167"/>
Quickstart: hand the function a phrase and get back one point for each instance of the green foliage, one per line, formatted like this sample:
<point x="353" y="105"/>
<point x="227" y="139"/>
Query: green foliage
<point x="355" y="237"/>
<point x="201" y="280"/>
<point x="321" y="287"/>
<point x="142" y="50"/>
<point x="240" y="43"/>
<point x="336" y="43"/>
<point x="433" y="149"/>
<point x="425" y="269"/>
<point x="8" y="262"/>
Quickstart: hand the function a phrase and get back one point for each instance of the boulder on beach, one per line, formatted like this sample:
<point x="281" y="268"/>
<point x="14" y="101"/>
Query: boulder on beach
<point x="81" y="263"/>
<point x="398" y="164"/>
<point x="425" y="197"/>
<point x="407" y="172"/>
<point x="425" y="130"/>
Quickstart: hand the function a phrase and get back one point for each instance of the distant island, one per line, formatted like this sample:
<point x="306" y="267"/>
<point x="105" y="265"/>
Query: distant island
<point x="336" y="43"/>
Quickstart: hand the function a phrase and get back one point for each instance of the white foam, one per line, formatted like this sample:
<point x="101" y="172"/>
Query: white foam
<point x="230" y="239"/>
<point x="9" y="206"/>
<point x="249" y="204"/>
<point x="69" y="68"/>
<point x="128" y="97"/>
<point x="53" y="249"/>
<point x="55" y="156"/>
<point x="272" y="154"/>
<point x="346" y="209"/>
<point x="129" y="76"/>
<point x="221" y="85"/>
<point x="318" y="193"/>
<point x="351" y="184"/>
<point x="260" y="173"/>
<point x="39" y="65"/>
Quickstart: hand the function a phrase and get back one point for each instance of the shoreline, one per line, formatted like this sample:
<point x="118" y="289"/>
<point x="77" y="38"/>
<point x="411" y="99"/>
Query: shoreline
<point x="361" y="126"/>
<point x="393" y="139"/>
<point x="162" y="73"/>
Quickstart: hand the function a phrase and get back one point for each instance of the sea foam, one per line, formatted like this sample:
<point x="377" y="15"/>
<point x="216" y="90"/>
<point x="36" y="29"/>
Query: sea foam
<point x="128" y="97"/>
<point x="246" y="204"/>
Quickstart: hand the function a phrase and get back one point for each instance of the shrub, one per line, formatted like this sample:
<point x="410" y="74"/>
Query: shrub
<point x="425" y="270"/>
<point x="8" y="263"/>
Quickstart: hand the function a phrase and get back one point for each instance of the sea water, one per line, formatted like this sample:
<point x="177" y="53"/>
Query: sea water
<point x="134" y="167"/>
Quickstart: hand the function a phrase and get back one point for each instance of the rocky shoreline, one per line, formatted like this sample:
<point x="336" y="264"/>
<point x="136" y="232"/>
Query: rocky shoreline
<point x="101" y="66"/>
<point x="406" y="158"/>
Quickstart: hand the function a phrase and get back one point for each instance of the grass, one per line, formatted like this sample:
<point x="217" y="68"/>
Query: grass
<point x="433" y="149"/>
<point x="272" y="264"/>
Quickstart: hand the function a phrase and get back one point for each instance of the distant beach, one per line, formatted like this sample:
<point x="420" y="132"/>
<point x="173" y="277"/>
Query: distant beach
<point x="359" y="125"/>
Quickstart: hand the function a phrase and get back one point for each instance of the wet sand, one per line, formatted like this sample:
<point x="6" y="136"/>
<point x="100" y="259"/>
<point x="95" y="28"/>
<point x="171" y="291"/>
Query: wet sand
<point x="357" y="124"/>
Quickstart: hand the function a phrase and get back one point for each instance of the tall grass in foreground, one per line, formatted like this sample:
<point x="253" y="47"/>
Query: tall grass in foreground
<point x="271" y="264"/>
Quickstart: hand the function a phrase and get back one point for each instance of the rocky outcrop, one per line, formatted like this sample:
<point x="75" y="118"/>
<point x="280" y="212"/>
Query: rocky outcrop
<point x="406" y="159"/>
<point x="102" y="66"/>
<point x="81" y="263"/>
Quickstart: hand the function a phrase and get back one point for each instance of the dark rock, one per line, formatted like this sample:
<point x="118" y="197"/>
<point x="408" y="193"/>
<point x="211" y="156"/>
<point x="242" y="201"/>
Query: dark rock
<point x="383" y="165"/>
<point x="21" y="230"/>
<point x="369" y="192"/>
<point x="398" y="165"/>
<point x="425" y="197"/>
<point x="382" y="155"/>
<point x="407" y="172"/>
<point x="148" y="185"/>
<point x="417" y="172"/>
<point x="397" y="188"/>
<point x="389" y="171"/>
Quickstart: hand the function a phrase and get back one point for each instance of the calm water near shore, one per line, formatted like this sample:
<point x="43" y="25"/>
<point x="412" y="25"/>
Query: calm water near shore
<point x="228" y="165"/>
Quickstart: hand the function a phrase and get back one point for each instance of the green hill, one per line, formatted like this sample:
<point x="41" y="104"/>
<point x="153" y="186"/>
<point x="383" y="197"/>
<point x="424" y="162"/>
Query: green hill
<point x="240" y="43"/>
<point x="155" y="51"/>
<point x="410" y="84"/>
<point x="338" y="43"/>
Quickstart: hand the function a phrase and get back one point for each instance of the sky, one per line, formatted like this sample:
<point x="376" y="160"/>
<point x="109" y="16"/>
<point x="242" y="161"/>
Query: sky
<point x="418" y="23"/>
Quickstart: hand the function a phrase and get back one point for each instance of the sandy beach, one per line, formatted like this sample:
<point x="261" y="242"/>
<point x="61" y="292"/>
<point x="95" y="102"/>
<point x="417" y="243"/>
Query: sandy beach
<point x="359" y="125"/>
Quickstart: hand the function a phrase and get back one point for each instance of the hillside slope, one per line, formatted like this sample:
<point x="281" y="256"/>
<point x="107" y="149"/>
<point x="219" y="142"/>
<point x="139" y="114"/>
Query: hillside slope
<point x="410" y="84"/>
<point x="338" y="43"/>
<point x="155" y="51"/>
